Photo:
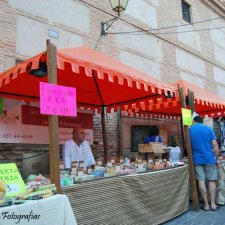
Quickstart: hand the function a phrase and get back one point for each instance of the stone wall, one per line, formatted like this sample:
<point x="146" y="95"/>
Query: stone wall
<point x="13" y="153"/>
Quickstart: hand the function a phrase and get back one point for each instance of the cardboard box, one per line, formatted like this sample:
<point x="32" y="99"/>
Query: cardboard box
<point x="156" y="147"/>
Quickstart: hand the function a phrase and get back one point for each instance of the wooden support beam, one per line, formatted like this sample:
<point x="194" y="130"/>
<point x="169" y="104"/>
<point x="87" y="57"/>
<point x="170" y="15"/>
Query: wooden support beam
<point x="189" y="152"/>
<point x="53" y="120"/>
<point x="191" y="101"/>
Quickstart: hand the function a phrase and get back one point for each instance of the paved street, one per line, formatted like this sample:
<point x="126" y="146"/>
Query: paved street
<point x="200" y="217"/>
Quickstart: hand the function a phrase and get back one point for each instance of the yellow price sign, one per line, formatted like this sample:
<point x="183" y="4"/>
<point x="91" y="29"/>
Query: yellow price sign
<point x="10" y="174"/>
<point x="186" y="116"/>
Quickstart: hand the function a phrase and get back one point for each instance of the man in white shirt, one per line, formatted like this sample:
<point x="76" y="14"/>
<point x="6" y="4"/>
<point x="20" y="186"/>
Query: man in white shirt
<point x="77" y="149"/>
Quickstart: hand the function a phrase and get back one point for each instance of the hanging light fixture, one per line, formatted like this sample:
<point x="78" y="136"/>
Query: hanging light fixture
<point x="41" y="71"/>
<point x="118" y="6"/>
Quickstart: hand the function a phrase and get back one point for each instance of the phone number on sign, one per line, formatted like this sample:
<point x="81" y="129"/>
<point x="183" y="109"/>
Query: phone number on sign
<point x="15" y="136"/>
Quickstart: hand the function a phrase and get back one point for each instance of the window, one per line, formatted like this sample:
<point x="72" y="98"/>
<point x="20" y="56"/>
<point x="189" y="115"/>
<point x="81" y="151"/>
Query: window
<point x="186" y="11"/>
<point x="138" y="135"/>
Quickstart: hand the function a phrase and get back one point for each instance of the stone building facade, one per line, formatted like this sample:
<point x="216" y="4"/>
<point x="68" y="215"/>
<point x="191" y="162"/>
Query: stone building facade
<point x="161" y="43"/>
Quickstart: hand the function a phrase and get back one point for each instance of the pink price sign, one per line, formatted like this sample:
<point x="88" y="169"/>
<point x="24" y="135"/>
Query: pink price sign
<point x="57" y="100"/>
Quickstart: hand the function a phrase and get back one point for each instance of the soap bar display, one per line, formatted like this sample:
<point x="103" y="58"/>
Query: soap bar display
<point x="113" y="167"/>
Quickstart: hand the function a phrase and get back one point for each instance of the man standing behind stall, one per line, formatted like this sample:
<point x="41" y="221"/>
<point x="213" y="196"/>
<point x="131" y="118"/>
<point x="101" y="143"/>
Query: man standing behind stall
<point x="77" y="149"/>
<point x="205" y="157"/>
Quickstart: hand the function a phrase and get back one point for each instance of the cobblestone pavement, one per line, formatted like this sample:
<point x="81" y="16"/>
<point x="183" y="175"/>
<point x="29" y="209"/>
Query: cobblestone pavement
<point x="200" y="217"/>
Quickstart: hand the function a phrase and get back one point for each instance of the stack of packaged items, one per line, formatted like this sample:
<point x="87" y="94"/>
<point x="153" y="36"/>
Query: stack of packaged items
<point x="37" y="187"/>
<point x="78" y="174"/>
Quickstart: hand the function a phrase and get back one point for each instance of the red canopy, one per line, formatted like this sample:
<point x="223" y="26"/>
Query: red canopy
<point x="206" y="102"/>
<point x="100" y="81"/>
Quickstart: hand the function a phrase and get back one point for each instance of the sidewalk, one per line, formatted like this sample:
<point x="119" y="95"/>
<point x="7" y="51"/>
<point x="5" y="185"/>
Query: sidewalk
<point x="200" y="217"/>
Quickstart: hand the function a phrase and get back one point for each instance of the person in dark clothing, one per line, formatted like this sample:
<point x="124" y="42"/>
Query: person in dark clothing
<point x="153" y="135"/>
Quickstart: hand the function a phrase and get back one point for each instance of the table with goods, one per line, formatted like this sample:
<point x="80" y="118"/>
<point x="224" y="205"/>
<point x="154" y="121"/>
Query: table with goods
<point x="127" y="191"/>
<point x="39" y="204"/>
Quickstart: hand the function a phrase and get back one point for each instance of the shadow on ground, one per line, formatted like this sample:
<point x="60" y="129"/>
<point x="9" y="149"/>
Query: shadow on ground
<point x="200" y="217"/>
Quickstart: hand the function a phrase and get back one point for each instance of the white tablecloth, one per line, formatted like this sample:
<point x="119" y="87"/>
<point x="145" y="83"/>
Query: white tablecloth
<point x="53" y="210"/>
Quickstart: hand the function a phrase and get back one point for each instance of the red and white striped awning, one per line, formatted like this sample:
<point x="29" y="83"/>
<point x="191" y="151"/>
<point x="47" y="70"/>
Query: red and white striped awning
<point x="99" y="79"/>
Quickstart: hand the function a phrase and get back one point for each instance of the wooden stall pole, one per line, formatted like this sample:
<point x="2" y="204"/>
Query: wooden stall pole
<point x="191" y="100"/>
<point x="182" y="136"/>
<point x="104" y="134"/>
<point x="53" y="120"/>
<point x="189" y="152"/>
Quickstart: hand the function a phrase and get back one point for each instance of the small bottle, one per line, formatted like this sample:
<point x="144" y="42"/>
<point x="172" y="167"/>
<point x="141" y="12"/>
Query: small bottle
<point x="139" y="160"/>
<point x="80" y="171"/>
<point x="89" y="170"/>
<point x="81" y="164"/>
<point x="113" y="159"/>
<point x="165" y="163"/>
<point x="74" y="168"/>
<point x="99" y="162"/>
<point x="109" y="163"/>
<point x="144" y="162"/>
<point x="61" y="165"/>
<point x="74" y="164"/>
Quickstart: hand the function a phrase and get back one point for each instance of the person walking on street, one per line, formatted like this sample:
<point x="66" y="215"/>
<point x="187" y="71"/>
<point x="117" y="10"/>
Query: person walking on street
<point x="205" y="152"/>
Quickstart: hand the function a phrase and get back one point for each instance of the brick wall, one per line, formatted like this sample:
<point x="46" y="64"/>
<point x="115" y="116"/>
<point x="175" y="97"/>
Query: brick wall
<point x="169" y="14"/>
<point x="7" y="34"/>
<point x="112" y="134"/>
<point x="166" y="127"/>
<point x="13" y="153"/>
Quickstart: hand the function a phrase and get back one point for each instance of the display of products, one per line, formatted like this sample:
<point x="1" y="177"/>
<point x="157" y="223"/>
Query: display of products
<point x="113" y="167"/>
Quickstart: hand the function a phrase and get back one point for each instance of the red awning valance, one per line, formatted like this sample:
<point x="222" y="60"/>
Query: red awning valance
<point x="206" y="103"/>
<point x="100" y="81"/>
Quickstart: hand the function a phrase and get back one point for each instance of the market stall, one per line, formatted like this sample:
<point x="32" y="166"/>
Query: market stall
<point x="103" y="83"/>
<point x="100" y="80"/>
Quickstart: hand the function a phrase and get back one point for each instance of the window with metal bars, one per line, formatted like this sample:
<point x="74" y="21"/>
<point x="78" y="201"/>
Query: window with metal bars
<point x="186" y="11"/>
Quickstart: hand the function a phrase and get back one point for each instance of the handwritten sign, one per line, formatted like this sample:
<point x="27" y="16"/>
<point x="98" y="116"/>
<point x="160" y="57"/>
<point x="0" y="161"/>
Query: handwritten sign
<point x="57" y="100"/>
<point x="1" y="105"/>
<point x="10" y="174"/>
<point x="186" y="116"/>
